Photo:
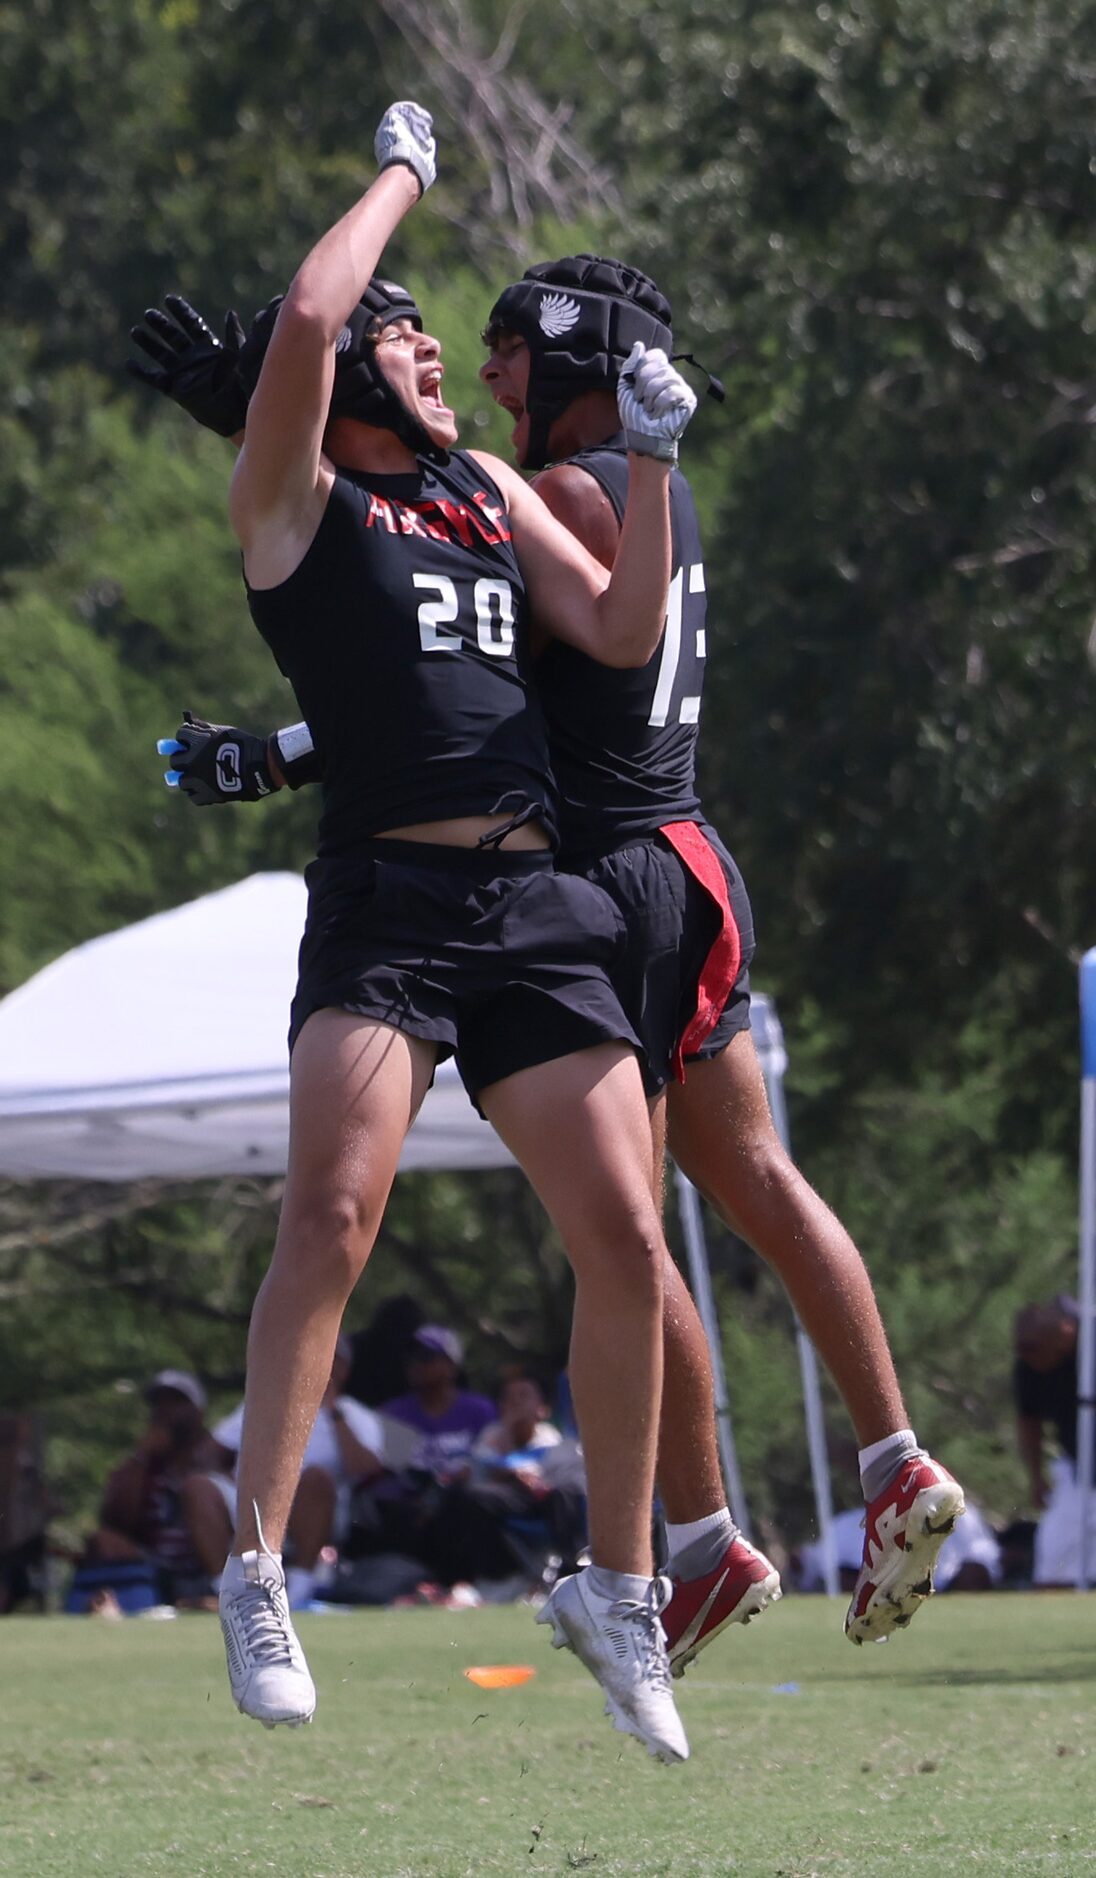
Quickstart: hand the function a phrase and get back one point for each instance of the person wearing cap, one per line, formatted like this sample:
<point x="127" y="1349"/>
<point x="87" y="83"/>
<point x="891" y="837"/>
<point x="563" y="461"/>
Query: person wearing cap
<point x="343" y="1452"/>
<point x="160" y="1505"/>
<point x="1044" y="1383"/>
<point x="449" y="1419"/>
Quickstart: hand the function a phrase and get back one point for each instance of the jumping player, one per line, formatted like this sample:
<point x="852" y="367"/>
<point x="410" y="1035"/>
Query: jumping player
<point x="623" y="747"/>
<point x="393" y="577"/>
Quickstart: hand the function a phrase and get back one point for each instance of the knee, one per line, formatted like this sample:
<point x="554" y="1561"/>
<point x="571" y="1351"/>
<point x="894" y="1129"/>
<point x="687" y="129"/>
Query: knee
<point x="334" y="1229"/>
<point x="626" y="1249"/>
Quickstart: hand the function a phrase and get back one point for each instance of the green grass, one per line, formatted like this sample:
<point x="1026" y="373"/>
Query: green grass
<point x="968" y="1745"/>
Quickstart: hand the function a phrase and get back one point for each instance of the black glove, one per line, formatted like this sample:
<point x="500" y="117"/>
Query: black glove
<point x="216" y="763"/>
<point x="193" y="366"/>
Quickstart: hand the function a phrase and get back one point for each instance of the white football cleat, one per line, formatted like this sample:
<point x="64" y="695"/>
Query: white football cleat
<point x="623" y="1645"/>
<point x="266" y="1666"/>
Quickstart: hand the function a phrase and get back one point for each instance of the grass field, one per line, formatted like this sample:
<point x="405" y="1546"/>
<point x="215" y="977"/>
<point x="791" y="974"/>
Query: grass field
<point x="967" y="1745"/>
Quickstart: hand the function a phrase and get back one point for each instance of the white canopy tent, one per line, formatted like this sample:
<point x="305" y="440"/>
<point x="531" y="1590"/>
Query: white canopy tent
<point x="159" y="1051"/>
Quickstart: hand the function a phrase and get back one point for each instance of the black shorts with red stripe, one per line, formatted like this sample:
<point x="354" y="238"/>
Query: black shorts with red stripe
<point x="682" y="949"/>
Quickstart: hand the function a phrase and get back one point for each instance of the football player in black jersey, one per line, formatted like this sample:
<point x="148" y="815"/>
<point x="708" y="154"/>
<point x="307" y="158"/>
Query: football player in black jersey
<point x="623" y="749"/>
<point x="393" y="578"/>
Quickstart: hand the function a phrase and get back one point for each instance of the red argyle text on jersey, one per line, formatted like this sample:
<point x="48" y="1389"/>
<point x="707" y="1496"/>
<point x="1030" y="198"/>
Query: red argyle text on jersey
<point x="441" y="519"/>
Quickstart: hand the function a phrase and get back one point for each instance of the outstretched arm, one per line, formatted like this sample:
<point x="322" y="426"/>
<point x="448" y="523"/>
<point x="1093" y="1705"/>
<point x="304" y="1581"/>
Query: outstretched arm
<point x="186" y="362"/>
<point x="280" y="482"/>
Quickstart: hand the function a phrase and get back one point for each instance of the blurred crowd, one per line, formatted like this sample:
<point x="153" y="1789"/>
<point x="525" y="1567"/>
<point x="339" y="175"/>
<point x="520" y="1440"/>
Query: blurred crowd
<point x="412" y="1486"/>
<point x="416" y="1488"/>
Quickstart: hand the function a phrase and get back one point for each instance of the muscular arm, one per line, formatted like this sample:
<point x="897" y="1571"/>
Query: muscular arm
<point x="281" y="481"/>
<point x="618" y="620"/>
<point x="578" y="501"/>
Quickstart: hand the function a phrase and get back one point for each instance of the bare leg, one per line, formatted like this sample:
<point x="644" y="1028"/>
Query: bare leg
<point x="355" y="1089"/>
<point x="722" y="1136"/>
<point x="579" y="1128"/>
<point x="690" y="1480"/>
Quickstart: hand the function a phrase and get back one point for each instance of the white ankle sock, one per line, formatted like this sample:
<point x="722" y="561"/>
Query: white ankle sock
<point x="881" y="1461"/>
<point x="615" y="1585"/>
<point x="678" y="1537"/>
<point x="697" y="1545"/>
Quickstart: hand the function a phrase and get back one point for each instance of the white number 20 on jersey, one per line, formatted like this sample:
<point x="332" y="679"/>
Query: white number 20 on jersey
<point x="494" y="604"/>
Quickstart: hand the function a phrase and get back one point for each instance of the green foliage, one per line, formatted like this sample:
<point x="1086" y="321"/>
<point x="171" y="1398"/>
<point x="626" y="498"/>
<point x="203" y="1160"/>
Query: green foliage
<point x="875" y="224"/>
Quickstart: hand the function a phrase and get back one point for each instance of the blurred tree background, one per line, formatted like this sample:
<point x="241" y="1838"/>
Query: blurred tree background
<point x="876" y="223"/>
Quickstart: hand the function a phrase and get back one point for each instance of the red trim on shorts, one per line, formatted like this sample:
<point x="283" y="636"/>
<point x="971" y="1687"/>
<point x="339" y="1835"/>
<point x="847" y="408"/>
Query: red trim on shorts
<point x="724" y="960"/>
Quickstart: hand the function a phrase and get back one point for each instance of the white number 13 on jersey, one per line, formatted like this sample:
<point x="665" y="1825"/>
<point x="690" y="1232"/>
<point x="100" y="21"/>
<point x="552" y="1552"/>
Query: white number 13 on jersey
<point x="494" y="604"/>
<point x="674" y="650"/>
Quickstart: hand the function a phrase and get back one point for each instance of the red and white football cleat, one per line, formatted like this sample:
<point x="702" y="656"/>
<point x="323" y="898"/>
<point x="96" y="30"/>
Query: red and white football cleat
<point x="904" y="1529"/>
<point x="739" y="1587"/>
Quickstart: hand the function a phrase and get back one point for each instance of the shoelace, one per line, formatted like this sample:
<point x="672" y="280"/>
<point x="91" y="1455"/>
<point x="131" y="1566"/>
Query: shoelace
<point x="265" y="1628"/>
<point x="643" y="1617"/>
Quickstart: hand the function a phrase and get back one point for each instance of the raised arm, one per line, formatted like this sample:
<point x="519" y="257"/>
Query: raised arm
<point x="616" y="617"/>
<point x="280" y="483"/>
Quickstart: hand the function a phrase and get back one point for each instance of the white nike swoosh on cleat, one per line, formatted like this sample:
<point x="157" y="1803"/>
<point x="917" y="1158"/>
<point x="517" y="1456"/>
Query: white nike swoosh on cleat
<point x="692" y="1630"/>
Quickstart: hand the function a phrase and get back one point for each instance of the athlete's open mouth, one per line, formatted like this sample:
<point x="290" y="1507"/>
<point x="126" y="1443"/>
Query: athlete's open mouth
<point x="430" y="390"/>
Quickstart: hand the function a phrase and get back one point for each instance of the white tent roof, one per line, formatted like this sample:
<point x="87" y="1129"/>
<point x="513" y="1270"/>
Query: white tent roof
<point x="160" y="1050"/>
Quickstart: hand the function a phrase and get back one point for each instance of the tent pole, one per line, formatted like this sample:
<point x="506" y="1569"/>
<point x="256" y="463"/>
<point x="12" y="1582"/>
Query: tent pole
<point x="1086" y="1351"/>
<point x="700" y="1278"/>
<point x="812" y="1389"/>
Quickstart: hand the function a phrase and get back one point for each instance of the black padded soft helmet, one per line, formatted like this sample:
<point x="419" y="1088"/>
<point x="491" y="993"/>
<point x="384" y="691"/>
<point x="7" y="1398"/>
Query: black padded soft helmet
<point x="580" y="318"/>
<point x="360" y="389"/>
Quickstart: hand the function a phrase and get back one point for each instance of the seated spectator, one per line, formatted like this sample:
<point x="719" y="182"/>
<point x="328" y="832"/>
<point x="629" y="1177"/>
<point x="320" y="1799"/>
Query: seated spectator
<point x="449" y="1420"/>
<point x="517" y="1498"/>
<point x="24" y="1511"/>
<point x="162" y="1517"/>
<point x="1045" y="1393"/>
<point x="378" y="1367"/>
<point x="343" y="1452"/>
<point x="968" y="1560"/>
<point x="529" y="1477"/>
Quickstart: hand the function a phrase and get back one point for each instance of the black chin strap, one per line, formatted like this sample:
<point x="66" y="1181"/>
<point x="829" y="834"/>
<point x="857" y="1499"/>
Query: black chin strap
<point x="716" y="388"/>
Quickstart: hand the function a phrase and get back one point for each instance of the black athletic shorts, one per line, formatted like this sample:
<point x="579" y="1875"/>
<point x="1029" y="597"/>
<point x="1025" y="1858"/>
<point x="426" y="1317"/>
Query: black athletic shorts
<point x="670" y="921"/>
<point x="492" y="955"/>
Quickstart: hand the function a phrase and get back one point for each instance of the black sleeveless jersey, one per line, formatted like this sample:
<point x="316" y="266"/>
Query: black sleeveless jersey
<point x="403" y="633"/>
<point x="624" y="742"/>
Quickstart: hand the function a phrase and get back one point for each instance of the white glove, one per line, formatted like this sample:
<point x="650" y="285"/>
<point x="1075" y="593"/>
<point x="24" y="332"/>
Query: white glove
<point x="405" y="134"/>
<point x="654" y="402"/>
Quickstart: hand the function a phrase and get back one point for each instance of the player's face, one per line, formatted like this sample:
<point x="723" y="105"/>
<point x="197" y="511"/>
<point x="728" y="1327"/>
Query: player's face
<point x="411" y="362"/>
<point x="506" y="375"/>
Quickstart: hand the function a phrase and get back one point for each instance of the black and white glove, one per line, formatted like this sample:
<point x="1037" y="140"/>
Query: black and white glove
<point x="216" y="763"/>
<point x="219" y="763"/>
<point x="191" y="365"/>
<point x="405" y="134"/>
<point x="654" y="402"/>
